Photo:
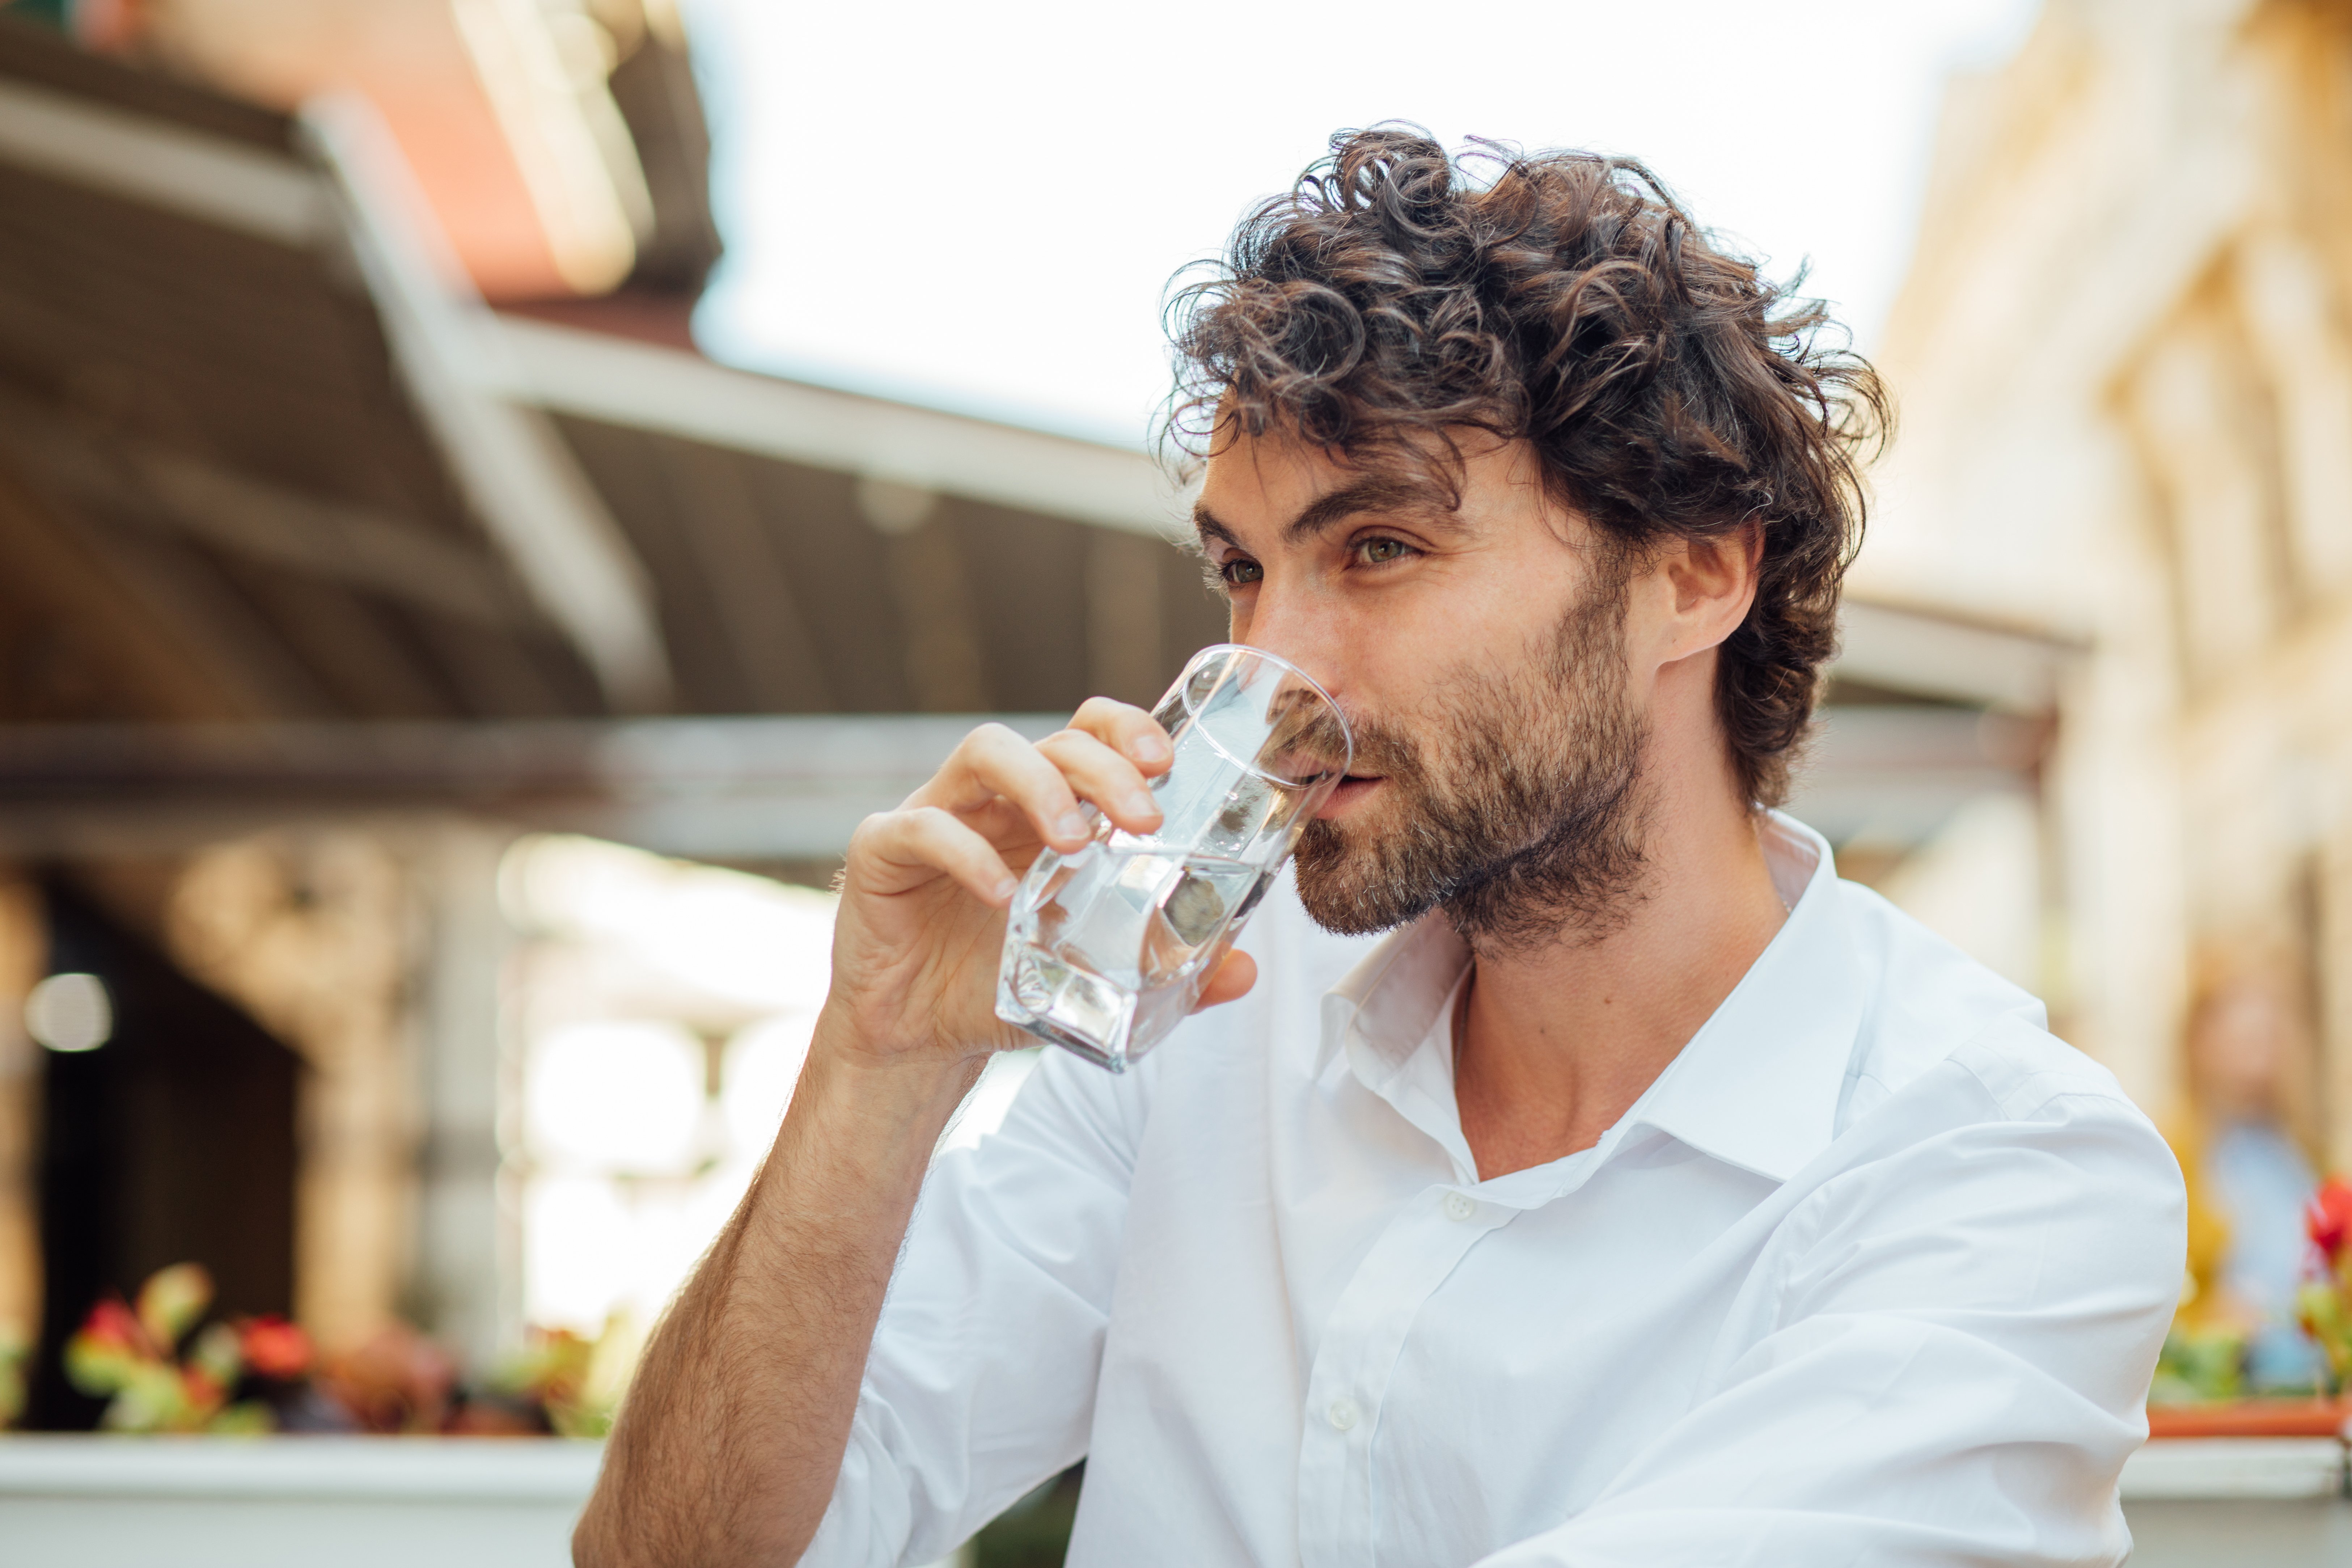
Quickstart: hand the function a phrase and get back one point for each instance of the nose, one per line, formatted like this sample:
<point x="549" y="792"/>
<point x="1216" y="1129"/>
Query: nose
<point x="1302" y="629"/>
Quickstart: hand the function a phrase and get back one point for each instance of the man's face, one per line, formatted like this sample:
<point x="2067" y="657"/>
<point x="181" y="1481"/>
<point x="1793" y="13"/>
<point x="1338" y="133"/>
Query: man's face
<point x="1479" y="653"/>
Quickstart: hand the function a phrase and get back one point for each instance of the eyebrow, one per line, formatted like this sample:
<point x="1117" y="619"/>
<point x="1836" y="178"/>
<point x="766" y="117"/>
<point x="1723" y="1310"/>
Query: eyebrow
<point x="1349" y="500"/>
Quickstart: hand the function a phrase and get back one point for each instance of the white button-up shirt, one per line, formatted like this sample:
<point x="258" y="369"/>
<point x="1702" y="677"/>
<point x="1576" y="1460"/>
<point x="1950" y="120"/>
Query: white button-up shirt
<point x="1875" y="1272"/>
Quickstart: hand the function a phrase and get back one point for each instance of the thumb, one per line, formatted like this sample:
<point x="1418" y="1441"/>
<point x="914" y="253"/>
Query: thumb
<point x="1232" y="982"/>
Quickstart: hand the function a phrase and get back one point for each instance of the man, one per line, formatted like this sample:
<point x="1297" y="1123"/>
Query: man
<point x="1648" y="1196"/>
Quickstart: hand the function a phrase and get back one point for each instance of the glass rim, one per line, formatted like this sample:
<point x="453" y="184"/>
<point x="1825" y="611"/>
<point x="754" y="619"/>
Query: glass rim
<point x="1224" y="650"/>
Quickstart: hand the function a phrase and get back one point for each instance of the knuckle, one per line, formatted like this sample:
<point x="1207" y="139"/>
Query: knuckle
<point x="993" y="735"/>
<point x="972" y="751"/>
<point x="1007" y="751"/>
<point x="1109" y="713"/>
<point x="872" y="831"/>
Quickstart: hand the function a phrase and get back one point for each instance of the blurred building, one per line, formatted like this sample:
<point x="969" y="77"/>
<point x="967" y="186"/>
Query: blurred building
<point x="559" y="143"/>
<point x="322" y="581"/>
<point x="2125" y="362"/>
<point x="378" y="558"/>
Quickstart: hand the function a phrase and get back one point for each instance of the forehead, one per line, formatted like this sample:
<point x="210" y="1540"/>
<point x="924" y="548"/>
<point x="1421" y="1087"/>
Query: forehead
<point x="1274" y="462"/>
<point x="1279" y="467"/>
<point x="1256" y="484"/>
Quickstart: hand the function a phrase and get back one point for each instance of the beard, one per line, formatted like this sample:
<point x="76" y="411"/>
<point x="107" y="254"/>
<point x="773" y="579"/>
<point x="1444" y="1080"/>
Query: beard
<point x="1522" y="818"/>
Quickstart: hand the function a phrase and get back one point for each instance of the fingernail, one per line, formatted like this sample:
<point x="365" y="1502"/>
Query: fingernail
<point x="1005" y="887"/>
<point x="1152" y="749"/>
<point x="1074" y="825"/>
<point x="1141" y="804"/>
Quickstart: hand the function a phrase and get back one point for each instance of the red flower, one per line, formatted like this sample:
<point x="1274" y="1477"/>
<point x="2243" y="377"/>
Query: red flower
<point x="203" y="1392"/>
<point x="2329" y="1217"/>
<point x="112" y="1326"/>
<point x="274" y="1347"/>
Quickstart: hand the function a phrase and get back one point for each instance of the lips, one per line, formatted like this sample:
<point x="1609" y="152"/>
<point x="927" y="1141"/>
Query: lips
<point x="1351" y="790"/>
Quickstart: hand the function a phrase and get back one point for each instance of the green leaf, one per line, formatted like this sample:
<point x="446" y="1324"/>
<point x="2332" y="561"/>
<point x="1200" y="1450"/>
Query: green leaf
<point x="245" y="1418"/>
<point x="219" y="1354"/>
<point x="153" y="1399"/>
<point x="172" y="1300"/>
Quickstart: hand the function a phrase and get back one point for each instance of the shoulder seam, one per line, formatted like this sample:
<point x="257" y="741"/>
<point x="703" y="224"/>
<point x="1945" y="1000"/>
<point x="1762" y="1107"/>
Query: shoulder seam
<point x="2036" y="1088"/>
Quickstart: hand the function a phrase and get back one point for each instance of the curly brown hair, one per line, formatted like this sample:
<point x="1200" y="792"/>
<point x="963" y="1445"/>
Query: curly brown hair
<point x="1391" y="300"/>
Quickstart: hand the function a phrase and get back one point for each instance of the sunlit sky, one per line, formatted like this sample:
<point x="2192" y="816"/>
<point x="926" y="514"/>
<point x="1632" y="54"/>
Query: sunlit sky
<point x="979" y="207"/>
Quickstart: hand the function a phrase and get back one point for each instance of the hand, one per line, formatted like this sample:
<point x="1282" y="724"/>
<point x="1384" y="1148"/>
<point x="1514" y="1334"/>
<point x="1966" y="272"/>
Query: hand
<point x="921" y="926"/>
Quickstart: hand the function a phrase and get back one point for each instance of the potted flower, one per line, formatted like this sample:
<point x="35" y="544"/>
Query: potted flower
<point x="2325" y="1302"/>
<point x="2200" y="1388"/>
<point x="162" y="1367"/>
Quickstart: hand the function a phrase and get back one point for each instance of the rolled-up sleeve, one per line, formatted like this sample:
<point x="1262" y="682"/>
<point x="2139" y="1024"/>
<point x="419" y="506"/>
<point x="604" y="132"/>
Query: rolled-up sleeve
<point x="981" y="1383"/>
<point x="1949" y="1366"/>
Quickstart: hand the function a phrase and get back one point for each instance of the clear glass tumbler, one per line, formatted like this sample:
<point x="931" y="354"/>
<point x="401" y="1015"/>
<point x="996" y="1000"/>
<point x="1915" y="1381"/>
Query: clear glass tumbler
<point x="1108" y="948"/>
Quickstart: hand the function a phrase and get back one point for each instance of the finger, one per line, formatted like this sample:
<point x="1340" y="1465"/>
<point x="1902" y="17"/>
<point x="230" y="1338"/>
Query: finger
<point x="1104" y="776"/>
<point x="1232" y="980"/>
<point x="1128" y="730"/>
<point x="993" y="763"/>
<point x="898" y="850"/>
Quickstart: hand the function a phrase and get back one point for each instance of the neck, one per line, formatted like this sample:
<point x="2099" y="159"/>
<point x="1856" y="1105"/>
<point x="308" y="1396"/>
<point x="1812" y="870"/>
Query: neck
<point x="1557" y="1040"/>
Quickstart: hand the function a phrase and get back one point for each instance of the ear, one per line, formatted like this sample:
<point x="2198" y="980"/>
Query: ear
<point x="1708" y="583"/>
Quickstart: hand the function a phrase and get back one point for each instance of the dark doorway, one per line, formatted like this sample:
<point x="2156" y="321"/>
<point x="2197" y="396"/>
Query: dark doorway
<point x="173" y="1141"/>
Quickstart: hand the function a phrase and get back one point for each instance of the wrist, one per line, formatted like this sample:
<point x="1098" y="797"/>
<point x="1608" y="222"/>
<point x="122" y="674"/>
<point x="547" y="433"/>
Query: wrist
<point x="909" y="1089"/>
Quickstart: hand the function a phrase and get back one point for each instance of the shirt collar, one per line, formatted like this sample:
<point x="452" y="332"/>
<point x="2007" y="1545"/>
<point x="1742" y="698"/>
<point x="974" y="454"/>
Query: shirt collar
<point x="1392" y="1016"/>
<point x="1386" y="1002"/>
<point x="1758" y="1084"/>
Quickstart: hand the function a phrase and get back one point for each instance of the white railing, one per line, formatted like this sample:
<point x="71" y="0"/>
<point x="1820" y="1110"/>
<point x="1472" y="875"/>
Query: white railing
<point x="275" y="1502"/>
<point x="292" y="1503"/>
<point x="459" y="1503"/>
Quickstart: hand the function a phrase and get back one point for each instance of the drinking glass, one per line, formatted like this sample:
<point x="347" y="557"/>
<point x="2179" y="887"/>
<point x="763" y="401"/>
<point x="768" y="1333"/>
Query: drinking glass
<point x="1108" y="948"/>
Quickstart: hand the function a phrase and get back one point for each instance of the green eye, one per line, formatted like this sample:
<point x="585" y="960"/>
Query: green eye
<point x="1380" y="552"/>
<point x="1237" y="573"/>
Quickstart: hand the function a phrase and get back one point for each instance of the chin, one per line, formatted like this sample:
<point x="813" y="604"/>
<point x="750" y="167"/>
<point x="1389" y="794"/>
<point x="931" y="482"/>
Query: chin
<point x="1341" y="881"/>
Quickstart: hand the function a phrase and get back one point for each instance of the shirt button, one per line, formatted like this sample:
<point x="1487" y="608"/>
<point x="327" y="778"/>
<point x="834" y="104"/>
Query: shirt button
<point x="1458" y="1205"/>
<point x="1342" y="1414"/>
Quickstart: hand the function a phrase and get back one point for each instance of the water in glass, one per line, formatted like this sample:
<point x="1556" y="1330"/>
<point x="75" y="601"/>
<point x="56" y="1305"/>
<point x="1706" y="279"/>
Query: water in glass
<point x="1108" y="948"/>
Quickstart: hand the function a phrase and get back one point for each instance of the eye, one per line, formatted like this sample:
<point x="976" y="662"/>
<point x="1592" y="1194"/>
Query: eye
<point x="1240" y="570"/>
<point x="1380" y="551"/>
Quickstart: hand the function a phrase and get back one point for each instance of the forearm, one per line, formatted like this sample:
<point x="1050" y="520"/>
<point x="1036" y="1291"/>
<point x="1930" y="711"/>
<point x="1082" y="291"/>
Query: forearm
<point x="728" y="1446"/>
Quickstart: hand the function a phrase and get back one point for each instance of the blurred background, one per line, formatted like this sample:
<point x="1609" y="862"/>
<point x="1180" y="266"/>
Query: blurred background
<point x="492" y="490"/>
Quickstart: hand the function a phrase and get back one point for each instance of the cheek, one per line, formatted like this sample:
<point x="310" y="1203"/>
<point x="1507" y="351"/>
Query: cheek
<point x="1421" y="654"/>
<point x="1415" y="689"/>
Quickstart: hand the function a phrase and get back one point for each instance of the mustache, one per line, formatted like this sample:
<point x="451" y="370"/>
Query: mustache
<point x="1309" y="739"/>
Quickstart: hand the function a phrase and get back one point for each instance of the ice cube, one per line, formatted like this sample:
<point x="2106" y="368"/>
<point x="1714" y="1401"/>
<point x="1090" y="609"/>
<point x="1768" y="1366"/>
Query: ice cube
<point x="1147" y="879"/>
<point x="1241" y="817"/>
<point x="1195" y="908"/>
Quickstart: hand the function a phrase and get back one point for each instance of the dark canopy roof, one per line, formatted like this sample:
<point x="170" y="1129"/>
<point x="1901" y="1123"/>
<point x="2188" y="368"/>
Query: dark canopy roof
<point x="260" y="460"/>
